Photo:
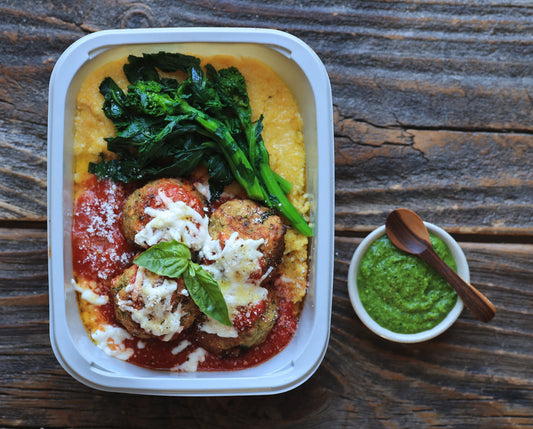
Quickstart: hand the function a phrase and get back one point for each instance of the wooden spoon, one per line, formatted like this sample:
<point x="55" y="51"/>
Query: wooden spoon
<point x="407" y="232"/>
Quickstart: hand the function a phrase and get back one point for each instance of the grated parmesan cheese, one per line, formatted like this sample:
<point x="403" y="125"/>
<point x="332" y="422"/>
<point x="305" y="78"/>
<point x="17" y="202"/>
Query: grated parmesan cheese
<point x="100" y="227"/>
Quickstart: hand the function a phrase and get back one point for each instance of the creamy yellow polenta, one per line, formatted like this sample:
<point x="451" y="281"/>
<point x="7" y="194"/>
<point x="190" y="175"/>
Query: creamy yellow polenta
<point x="282" y="134"/>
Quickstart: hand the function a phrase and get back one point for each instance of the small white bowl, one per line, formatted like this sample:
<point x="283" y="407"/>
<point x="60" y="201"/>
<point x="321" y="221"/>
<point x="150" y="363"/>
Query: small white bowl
<point x="462" y="270"/>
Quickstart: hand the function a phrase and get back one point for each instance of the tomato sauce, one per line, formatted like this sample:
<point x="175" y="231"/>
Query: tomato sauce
<point x="101" y="252"/>
<point x="175" y="191"/>
<point x="157" y="354"/>
<point x="107" y="311"/>
<point x="280" y="336"/>
<point x="247" y="316"/>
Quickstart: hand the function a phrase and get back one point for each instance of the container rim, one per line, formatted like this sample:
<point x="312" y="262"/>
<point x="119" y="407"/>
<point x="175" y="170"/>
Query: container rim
<point x="69" y="350"/>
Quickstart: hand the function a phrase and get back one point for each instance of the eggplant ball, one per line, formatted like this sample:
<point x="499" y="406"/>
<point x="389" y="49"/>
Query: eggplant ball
<point x="152" y="306"/>
<point x="251" y="221"/>
<point x="157" y="195"/>
<point x="253" y="324"/>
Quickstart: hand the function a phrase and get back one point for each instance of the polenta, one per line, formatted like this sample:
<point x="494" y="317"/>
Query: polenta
<point x="102" y="252"/>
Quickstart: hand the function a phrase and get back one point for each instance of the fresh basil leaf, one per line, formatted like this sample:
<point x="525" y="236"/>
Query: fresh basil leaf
<point x="206" y="293"/>
<point x="173" y="259"/>
<point x="169" y="259"/>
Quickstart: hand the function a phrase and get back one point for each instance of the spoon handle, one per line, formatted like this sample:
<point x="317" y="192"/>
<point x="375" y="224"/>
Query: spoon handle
<point x="474" y="300"/>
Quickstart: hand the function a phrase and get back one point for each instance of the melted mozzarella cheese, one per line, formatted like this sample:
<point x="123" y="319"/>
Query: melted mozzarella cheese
<point x="192" y="362"/>
<point x="110" y="339"/>
<point x="203" y="188"/>
<point x="212" y="326"/>
<point x="232" y="267"/>
<point x="89" y="295"/>
<point x="180" y="347"/>
<point x="177" y="222"/>
<point x="156" y="315"/>
<point x="237" y="261"/>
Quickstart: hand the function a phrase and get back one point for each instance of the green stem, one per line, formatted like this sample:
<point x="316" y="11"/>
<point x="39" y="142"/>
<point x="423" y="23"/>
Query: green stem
<point x="283" y="205"/>
<point x="241" y="167"/>
<point x="284" y="184"/>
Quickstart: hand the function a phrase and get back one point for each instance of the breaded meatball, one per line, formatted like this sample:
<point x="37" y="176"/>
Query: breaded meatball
<point x="156" y="195"/>
<point x="151" y="306"/>
<point x="253" y="324"/>
<point x="251" y="221"/>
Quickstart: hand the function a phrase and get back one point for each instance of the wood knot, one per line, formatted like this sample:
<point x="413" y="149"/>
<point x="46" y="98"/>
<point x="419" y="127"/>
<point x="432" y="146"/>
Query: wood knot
<point x="137" y="17"/>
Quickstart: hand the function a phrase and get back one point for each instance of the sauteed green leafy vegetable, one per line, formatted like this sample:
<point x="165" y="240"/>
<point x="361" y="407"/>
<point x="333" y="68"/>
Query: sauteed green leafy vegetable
<point x="166" y="128"/>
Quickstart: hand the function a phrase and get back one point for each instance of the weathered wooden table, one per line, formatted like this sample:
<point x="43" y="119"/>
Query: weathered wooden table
<point x="433" y="111"/>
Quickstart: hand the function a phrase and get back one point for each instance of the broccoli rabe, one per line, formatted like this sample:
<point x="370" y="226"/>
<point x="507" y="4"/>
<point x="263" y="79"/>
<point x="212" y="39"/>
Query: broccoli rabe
<point x="166" y="127"/>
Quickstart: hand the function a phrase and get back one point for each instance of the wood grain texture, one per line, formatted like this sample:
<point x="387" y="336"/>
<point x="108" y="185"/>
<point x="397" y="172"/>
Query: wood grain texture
<point x="464" y="182"/>
<point x="433" y="111"/>
<point x="416" y="84"/>
<point x="474" y="375"/>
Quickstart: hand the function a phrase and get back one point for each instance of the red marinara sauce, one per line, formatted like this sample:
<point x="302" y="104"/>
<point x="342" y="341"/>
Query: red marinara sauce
<point x="154" y="195"/>
<point x="99" y="249"/>
<point x="179" y="191"/>
<point x="280" y="336"/>
<point x="157" y="354"/>
<point x="101" y="252"/>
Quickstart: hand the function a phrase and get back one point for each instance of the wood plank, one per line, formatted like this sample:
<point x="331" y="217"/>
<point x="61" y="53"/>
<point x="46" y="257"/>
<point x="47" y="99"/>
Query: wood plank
<point x="426" y="73"/>
<point x="474" y="374"/>
<point x="465" y="182"/>
<point x="432" y="111"/>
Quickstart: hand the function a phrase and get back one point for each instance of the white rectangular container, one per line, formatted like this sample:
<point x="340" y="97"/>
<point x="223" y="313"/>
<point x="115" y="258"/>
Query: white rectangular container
<point x="306" y="76"/>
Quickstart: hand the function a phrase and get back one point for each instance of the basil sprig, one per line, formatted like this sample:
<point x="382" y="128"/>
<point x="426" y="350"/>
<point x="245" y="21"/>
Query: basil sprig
<point x="173" y="259"/>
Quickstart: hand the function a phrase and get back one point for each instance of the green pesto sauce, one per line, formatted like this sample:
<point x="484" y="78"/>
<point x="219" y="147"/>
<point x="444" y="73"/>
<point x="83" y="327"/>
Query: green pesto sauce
<point x="401" y="292"/>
